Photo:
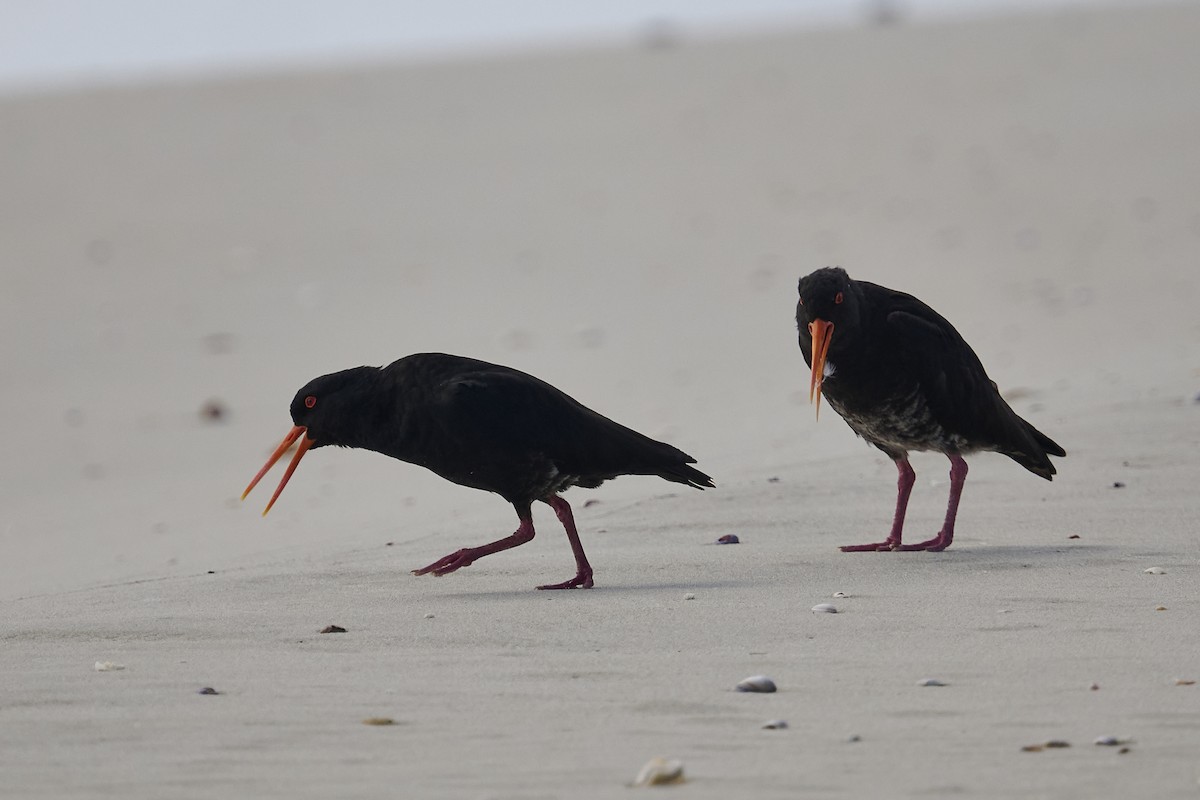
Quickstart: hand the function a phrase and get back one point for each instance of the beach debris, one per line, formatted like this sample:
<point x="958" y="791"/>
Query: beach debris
<point x="1095" y="687"/>
<point x="1111" y="741"/>
<point x="660" y="771"/>
<point x="756" y="683"/>
<point x="1053" y="744"/>
<point x="429" y="616"/>
<point x="213" y="410"/>
<point x="840" y="594"/>
<point x="1154" y="571"/>
<point x="333" y="629"/>
<point x="775" y="725"/>
<point x="773" y="479"/>
<point x="852" y="738"/>
<point x="1118" y="485"/>
<point x="1160" y="608"/>
<point x="1074" y="536"/>
<point x="207" y="690"/>
<point x="824" y="608"/>
<point x="108" y="666"/>
<point x="729" y="538"/>
<point x="1184" y="682"/>
<point x="1124" y="750"/>
<point x="388" y="544"/>
<point x="930" y="682"/>
<point x="379" y="721"/>
<point x="689" y="596"/>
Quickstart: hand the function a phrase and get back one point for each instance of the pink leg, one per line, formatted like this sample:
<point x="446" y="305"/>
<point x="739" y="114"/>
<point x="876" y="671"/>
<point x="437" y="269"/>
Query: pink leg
<point x="958" y="476"/>
<point x="904" y="485"/>
<point x="468" y="555"/>
<point x="583" y="570"/>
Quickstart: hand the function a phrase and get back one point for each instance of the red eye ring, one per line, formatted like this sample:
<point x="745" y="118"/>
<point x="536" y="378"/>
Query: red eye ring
<point x="310" y="401"/>
<point x="801" y="301"/>
<point x="837" y="298"/>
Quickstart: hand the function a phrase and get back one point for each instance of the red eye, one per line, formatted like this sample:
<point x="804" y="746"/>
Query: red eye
<point x="837" y="298"/>
<point x="310" y="401"/>
<point x="801" y="301"/>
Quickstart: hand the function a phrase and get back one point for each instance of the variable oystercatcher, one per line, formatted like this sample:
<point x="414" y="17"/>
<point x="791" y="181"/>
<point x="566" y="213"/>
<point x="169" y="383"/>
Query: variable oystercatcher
<point x="904" y="379"/>
<point x="480" y="425"/>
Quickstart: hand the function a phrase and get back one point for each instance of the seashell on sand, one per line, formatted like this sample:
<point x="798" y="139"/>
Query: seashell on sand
<point x="1155" y="571"/>
<point x="207" y="690"/>
<point x="689" y="596"/>
<point x="840" y="594"/>
<point x="775" y="725"/>
<point x="108" y="666"/>
<point x="729" y="538"/>
<point x="756" y="683"/>
<point x="824" y="608"/>
<point x="930" y="682"/>
<point x="660" y="771"/>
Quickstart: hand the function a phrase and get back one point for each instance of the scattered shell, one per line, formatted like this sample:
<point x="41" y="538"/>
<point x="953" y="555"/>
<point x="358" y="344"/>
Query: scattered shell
<point x="729" y="538"/>
<point x="1154" y="571"/>
<point x="660" y="771"/>
<point x="775" y="725"/>
<point x="379" y="721"/>
<point x="930" y="682"/>
<point x="840" y="594"/>
<point x="689" y="596"/>
<point x="1111" y="741"/>
<point x="824" y="608"/>
<point x="756" y="683"/>
<point x="333" y="629"/>
<point x="1184" y="682"/>
<point x="1160" y="608"/>
<point x="207" y="690"/>
<point x="108" y="666"/>
<point x="429" y="616"/>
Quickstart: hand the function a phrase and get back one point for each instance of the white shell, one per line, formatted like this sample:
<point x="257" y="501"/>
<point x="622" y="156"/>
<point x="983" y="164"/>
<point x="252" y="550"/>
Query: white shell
<point x="840" y="594"/>
<point x="429" y="616"/>
<point x="1155" y="571"/>
<point x="757" y="683"/>
<point x="660" y="771"/>
<point x="824" y="608"/>
<point x="930" y="682"/>
<point x="108" y="666"/>
<point x="775" y="725"/>
<point x="689" y="596"/>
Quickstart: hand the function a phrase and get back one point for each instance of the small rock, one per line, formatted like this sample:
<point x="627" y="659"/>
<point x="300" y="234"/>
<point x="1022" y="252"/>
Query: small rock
<point x="660" y="771"/>
<point x="1118" y="485"/>
<point x="756" y="683"/>
<point x="840" y="594"/>
<point x="689" y="596"/>
<point x="333" y="629"/>
<point x="1095" y="687"/>
<point x="930" y="682"/>
<point x="775" y="725"/>
<point x="1073" y="536"/>
<point x="1155" y="571"/>
<point x="1055" y="744"/>
<point x="213" y="411"/>
<point x="854" y="737"/>
<point x="207" y="690"/>
<point x="773" y="480"/>
<point x="729" y="538"/>
<point x="824" y="608"/>
<point x="388" y="544"/>
<point x="1110" y="741"/>
<point x="429" y="616"/>
<point x="1160" y="608"/>
<point x="379" y="721"/>
<point x="108" y="666"/>
<point x="1123" y="751"/>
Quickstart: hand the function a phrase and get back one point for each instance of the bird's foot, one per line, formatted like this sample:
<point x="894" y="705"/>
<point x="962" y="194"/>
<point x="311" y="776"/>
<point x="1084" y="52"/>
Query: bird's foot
<point x="447" y="564"/>
<point x="886" y="544"/>
<point x="583" y="580"/>
<point x="935" y="545"/>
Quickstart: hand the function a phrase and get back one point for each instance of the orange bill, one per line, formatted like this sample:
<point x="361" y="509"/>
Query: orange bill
<point x="822" y="333"/>
<point x="305" y="443"/>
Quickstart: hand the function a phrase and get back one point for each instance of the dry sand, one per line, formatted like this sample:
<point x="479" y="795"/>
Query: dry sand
<point x="628" y="225"/>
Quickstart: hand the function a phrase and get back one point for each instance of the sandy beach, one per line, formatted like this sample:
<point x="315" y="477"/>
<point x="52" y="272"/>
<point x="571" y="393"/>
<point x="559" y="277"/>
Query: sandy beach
<point x="629" y="225"/>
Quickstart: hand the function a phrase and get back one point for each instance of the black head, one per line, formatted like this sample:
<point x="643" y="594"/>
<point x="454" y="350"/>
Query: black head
<point x="829" y="301"/>
<point x="328" y="410"/>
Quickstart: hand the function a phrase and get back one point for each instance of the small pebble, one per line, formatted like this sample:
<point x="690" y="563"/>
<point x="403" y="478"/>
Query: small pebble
<point x="212" y="572"/>
<point x="1184" y="682"/>
<point x="729" y="538"/>
<point x="213" y="411"/>
<point x="379" y="721"/>
<point x="207" y="690"/>
<point x="840" y="594"/>
<point x="1123" y="751"/>
<point x="772" y="480"/>
<point x="930" y="682"/>
<point x="1110" y="741"/>
<point x="108" y="666"/>
<point x="1053" y="744"/>
<point x="1094" y="687"/>
<point x="333" y="629"/>
<point x="854" y="737"/>
<point x="756" y="683"/>
<point x="1155" y="571"/>
<point x="1118" y="485"/>
<point x="824" y="608"/>
<point x="388" y="544"/>
<point x="1073" y="536"/>
<point x="1057" y="743"/>
<point x="775" y="725"/>
<point x="660" y="771"/>
<point x="429" y="616"/>
<point x="689" y="596"/>
<point x="1160" y="608"/>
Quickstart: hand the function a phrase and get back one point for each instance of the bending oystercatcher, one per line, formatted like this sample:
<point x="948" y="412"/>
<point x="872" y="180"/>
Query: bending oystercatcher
<point x="903" y="379"/>
<point x="480" y="425"/>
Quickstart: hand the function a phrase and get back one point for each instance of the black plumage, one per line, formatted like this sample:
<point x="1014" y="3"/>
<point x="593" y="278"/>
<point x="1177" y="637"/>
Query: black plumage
<point x="479" y="425"/>
<point x="904" y="379"/>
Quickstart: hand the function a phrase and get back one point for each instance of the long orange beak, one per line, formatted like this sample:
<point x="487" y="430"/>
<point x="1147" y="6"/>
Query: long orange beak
<point x="305" y="443"/>
<point x="822" y="333"/>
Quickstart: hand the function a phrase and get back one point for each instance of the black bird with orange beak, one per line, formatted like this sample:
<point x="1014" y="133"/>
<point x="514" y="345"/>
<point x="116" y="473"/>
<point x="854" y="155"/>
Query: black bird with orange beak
<point x="479" y="425"/>
<point x="904" y="379"/>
